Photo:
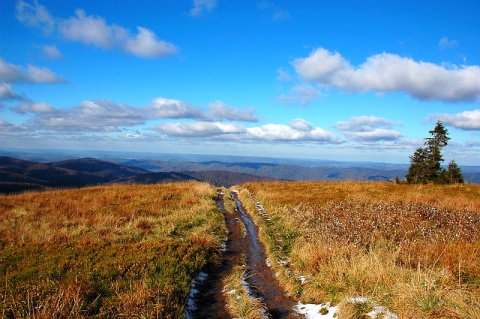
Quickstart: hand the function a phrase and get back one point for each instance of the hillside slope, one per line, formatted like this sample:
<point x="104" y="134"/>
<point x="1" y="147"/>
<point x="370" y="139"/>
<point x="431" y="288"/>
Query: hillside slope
<point x="20" y="175"/>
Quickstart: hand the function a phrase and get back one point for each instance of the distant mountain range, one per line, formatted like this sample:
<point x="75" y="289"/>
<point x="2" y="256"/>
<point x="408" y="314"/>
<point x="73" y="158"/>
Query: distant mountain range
<point x="18" y="175"/>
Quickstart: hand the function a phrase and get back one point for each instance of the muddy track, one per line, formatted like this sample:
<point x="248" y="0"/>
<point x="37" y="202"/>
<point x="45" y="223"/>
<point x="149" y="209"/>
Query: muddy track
<point x="209" y="300"/>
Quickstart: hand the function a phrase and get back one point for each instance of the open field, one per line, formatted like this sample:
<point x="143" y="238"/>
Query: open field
<point x="413" y="249"/>
<point x="116" y="251"/>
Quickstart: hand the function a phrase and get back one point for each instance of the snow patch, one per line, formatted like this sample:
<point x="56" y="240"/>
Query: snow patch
<point x="312" y="311"/>
<point x="191" y="306"/>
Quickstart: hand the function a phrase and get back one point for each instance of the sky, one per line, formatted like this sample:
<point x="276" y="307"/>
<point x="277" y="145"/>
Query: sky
<point x="332" y="79"/>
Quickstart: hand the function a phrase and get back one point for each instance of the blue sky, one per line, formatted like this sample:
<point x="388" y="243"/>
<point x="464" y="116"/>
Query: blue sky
<point x="331" y="79"/>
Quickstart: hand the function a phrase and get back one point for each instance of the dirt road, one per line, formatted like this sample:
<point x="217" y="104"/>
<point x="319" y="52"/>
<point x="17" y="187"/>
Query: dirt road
<point x="209" y="301"/>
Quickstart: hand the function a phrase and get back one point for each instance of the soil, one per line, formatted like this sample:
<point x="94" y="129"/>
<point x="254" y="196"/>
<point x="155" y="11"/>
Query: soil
<point x="210" y="301"/>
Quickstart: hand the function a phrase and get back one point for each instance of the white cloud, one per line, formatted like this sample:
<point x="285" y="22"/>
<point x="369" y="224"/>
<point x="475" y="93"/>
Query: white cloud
<point x="391" y="73"/>
<point x="363" y="123"/>
<point x="202" y="6"/>
<point x="146" y="44"/>
<point x="35" y="15"/>
<point x="374" y="135"/>
<point x="220" y="111"/>
<point x="301" y="125"/>
<point x="445" y="43"/>
<point x="51" y="52"/>
<point x="91" y="116"/>
<point x="8" y="129"/>
<point x="298" y="131"/>
<point x="199" y="129"/>
<point x="37" y="74"/>
<point x="34" y="107"/>
<point x="175" y="109"/>
<point x="301" y="94"/>
<point x="10" y="73"/>
<point x="94" y="30"/>
<point x="7" y="93"/>
<point x="90" y="30"/>
<point x="467" y="120"/>
<point x="368" y="128"/>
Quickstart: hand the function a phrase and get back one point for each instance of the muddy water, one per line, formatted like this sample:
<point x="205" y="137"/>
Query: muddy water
<point x="208" y="300"/>
<point x="262" y="277"/>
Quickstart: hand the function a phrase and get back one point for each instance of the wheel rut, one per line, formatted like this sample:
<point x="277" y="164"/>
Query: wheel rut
<point x="209" y="300"/>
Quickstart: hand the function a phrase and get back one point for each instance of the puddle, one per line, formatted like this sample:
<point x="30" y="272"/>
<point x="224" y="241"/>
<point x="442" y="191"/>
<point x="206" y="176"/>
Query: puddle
<point x="261" y="276"/>
<point x="206" y="299"/>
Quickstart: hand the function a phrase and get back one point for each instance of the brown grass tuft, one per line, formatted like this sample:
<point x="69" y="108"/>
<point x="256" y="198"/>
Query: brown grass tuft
<point x="412" y="248"/>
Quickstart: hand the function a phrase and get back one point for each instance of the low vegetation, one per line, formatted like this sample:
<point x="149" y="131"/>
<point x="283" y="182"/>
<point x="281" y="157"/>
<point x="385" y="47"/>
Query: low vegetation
<point x="414" y="249"/>
<point x="239" y="298"/>
<point x="116" y="251"/>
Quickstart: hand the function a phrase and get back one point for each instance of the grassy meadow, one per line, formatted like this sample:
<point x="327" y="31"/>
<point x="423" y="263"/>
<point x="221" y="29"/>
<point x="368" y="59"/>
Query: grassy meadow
<point x="114" y="251"/>
<point x="414" y="249"/>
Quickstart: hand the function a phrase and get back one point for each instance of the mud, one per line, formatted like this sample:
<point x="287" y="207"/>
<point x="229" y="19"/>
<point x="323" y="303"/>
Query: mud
<point x="209" y="302"/>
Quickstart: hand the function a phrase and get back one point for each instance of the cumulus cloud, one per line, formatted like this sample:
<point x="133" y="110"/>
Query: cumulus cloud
<point x="10" y="73"/>
<point x="298" y="131"/>
<point x="467" y="120"/>
<point x="90" y="30"/>
<point x="202" y="6"/>
<point x="301" y="94"/>
<point x="363" y="123"/>
<point x="7" y="93"/>
<point x="175" y="109"/>
<point x="220" y="111"/>
<point x="37" y="74"/>
<point x="34" y="107"/>
<point x="8" y="129"/>
<point x="146" y="44"/>
<point x="375" y="135"/>
<point x="199" y="129"/>
<point x="392" y="73"/>
<point x="35" y="15"/>
<point x="217" y="111"/>
<point x="51" y="52"/>
<point x="94" y="30"/>
<point x="89" y="116"/>
<point x="368" y="128"/>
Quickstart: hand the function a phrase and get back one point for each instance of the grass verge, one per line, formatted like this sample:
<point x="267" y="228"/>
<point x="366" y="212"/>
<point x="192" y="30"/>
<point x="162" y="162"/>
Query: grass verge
<point x="414" y="249"/>
<point x="116" y="251"/>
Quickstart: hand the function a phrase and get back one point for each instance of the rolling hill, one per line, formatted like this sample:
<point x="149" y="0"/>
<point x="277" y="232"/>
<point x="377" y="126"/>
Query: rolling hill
<point x="18" y="175"/>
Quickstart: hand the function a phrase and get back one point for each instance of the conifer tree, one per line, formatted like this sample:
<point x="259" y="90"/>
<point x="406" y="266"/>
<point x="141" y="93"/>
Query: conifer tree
<point x="434" y="145"/>
<point x="426" y="162"/>
<point x="417" y="173"/>
<point x="453" y="174"/>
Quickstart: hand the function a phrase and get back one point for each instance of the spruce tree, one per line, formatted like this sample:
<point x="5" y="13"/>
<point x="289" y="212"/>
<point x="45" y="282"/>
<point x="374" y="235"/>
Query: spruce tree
<point x="434" y="146"/>
<point x="453" y="174"/>
<point x="417" y="173"/>
<point x="426" y="163"/>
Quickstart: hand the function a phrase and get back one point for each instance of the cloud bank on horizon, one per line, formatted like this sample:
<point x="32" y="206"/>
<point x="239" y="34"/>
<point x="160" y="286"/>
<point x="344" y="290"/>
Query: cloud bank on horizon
<point x="306" y="107"/>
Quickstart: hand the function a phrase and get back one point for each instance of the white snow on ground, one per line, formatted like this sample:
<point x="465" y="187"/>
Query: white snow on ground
<point x="311" y="311"/>
<point x="190" y="305"/>
<point x="325" y="311"/>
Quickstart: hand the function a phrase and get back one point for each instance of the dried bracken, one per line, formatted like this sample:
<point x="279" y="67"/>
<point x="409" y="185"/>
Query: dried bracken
<point x="333" y="240"/>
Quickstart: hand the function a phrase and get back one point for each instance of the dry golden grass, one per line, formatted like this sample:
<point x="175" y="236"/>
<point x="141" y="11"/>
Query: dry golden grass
<point x="115" y="251"/>
<point x="414" y="249"/>
<point x="240" y="302"/>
